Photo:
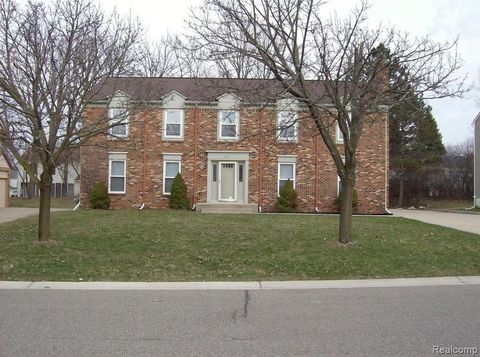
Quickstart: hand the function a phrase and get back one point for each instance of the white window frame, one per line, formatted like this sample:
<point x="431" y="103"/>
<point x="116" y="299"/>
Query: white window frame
<point x="294" y="175"/>
<point x="112" y="119"/>
<point x="165" y="122"/>
<point x="110" y="160"/>
<point x="237" y="125"/>
<point x="165" y="162"/>
<point x="293" y="115"/>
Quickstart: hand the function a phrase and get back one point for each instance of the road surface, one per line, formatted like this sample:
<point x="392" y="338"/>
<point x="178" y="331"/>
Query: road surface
<point x="393" y="321"/>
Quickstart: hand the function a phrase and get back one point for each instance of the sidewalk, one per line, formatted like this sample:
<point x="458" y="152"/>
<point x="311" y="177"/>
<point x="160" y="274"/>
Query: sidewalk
<point x="463" y="222"/>
<point x="243" y="285"/>
<point x="13" y="213"/>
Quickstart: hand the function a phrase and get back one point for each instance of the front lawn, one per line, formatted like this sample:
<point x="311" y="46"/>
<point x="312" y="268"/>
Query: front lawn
<point x="132" y="245"/>
<point x="61" y="202"/>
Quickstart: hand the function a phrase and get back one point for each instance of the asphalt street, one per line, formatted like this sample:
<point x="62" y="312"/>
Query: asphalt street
<point x="394" y="321"/>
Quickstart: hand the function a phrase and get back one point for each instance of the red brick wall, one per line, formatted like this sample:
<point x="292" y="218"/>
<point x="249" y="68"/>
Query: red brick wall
<point x="310" y="150"/>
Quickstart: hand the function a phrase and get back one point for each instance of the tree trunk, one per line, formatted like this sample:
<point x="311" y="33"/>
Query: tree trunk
<point x="44" y="210"/>
<point x="400" y="192"/>
<point x="346" y="211"/>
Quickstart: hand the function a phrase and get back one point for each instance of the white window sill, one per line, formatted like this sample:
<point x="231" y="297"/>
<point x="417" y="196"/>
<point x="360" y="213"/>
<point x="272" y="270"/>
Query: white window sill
<point x="228" y="139"/>
<point x="172" y="138"/>
<point x="116" y="193"/>
<point x="287" y="141"/>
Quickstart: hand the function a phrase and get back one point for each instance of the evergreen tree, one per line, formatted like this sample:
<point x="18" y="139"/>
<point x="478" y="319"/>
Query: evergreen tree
<point x="416" y="151"/>
<point x="287" y="201"/>
<point x="99" y="198"/>
<point x="178" y="194"/>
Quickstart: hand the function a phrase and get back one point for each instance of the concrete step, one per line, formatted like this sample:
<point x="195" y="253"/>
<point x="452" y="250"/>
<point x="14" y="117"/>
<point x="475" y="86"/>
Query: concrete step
<point x="226" y="208"/>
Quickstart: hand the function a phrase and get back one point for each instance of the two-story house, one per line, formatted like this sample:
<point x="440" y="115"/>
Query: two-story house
<point x="235" y="142"/>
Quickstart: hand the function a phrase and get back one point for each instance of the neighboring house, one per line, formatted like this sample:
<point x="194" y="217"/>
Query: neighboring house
<point x="231" y="145"/>
<point x="476" y="150"/>
<point x="66" y="179"/>
<point x="5" y="169"/>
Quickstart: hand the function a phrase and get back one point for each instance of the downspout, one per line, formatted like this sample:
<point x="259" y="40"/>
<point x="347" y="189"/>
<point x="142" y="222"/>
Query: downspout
<point x="316" y="174"/>
<point x="386" y="165"/>
<point x="260" y="162"/>
<point x="195" y="153"/>
<point x="474" y="203"/>
<point x="142" y="206"/>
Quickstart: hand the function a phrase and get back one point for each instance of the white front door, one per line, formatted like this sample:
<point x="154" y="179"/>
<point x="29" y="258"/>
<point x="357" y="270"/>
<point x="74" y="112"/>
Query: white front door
<point x="227" y="183"/>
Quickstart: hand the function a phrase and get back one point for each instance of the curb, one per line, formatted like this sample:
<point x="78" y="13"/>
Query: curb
<point x="247" y="285"/>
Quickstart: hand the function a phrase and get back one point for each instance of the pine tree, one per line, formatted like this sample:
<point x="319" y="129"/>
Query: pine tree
<point x="416" y="150"/>
<point x="178" y="194"/>
<point x="99" y="198"/>
<point x="287" y="201"/>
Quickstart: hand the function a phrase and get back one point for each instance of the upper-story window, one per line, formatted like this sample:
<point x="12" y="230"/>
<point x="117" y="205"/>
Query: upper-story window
<point x="118" y="115"/>
<point x="228" y="124"/>
<point x="173" y="124"/>
<point x="287" y="126"/>
<point x="229" y="105"/>
<point x="173" y="116"/>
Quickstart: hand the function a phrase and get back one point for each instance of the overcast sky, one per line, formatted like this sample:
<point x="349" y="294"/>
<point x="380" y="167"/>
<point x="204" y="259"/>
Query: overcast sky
<point x="442" y="20"/>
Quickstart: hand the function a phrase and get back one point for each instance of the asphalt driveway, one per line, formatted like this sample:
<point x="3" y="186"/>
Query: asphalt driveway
<point x="463" y="222"/>
<point x="13" y="213"/>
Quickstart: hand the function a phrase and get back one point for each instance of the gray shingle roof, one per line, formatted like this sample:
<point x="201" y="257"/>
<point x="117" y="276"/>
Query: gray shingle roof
<point x="196" y="89"/>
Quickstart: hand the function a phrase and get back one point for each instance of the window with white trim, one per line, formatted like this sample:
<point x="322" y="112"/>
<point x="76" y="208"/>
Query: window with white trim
<point x="286" y="171"/>
<point x="173" y="123"/>
<point x="170" y="170"/>
<point x="287" y="125"/>
<point x="228" y="124"/>
<point x="118" y="118"/>
<point x="116" y="175"/>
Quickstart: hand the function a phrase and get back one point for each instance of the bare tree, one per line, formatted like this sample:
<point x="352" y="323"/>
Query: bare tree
<point x="52" y="57"/>
<point x="304" y="50"/>
<point x="456" y="181"/>
<point x="159" y="59"/>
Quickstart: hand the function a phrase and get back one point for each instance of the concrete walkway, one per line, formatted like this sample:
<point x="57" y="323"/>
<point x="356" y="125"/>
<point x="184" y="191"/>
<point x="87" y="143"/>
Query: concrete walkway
<point x="242" y="285"/>
<point x="463" y="222"/>
<point x="13" y="213"/>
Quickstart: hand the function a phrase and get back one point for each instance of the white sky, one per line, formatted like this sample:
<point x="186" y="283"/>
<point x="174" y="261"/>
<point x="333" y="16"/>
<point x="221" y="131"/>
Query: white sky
<point x="442" y="20"/>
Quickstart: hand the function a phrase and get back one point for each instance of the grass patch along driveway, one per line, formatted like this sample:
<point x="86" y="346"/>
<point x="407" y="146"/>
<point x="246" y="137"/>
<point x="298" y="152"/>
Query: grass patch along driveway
<point x="129" y="245"/>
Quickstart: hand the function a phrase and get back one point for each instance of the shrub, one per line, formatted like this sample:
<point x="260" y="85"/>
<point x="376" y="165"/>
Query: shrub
<point x="287" y="201"/>
<point x="354" y="200"/>
<point x="99" y="198"/>
<point x="178" y="194"/>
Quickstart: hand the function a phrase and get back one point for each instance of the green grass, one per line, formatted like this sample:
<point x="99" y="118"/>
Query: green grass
<point x="63" y="202"/>
<point x="132" y="245"/>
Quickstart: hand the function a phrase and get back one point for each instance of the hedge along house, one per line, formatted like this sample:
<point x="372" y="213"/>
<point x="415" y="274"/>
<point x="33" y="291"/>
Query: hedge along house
<point x="235" y="142"/>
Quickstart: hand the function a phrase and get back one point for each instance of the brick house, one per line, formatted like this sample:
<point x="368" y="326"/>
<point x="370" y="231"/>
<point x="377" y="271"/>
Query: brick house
<point x="235" y="142"/>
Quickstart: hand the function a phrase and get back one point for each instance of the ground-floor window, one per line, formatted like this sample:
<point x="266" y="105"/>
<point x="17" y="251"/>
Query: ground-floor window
<point x="116" y="174"/>
<point x="170" y="170"/>
<point x="286" y="171"/>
